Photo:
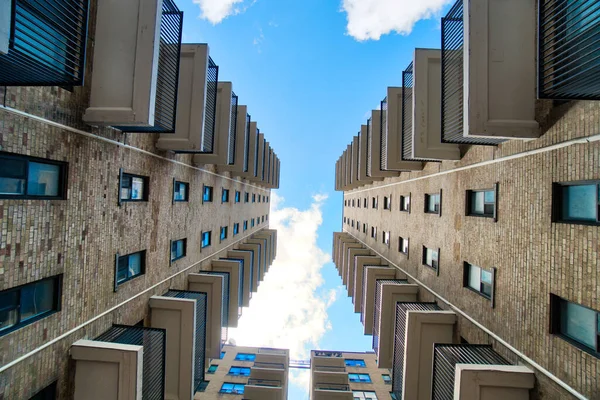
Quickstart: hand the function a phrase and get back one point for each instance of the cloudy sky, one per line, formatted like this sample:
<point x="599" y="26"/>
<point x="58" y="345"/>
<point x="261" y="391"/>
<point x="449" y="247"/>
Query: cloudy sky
<point x="310" y="71"/>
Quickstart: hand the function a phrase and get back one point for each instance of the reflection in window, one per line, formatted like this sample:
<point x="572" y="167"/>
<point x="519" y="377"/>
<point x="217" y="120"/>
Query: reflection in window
<point x="178" y="248"/>
<point x="134" y="187"/>
<point x="479" y="280"/>
<point x="20" y="177"/>
<point x="180" y="191"/>
<point x="577" y="202"/>
<point x="130" y="266"/>
<point x="578" y="324"/>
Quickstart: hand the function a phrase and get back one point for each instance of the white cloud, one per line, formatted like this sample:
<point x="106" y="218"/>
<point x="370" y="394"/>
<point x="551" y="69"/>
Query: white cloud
<point x="216" y="11"/>
<point x="289" y="310"/>
<point x="369" y="19"/>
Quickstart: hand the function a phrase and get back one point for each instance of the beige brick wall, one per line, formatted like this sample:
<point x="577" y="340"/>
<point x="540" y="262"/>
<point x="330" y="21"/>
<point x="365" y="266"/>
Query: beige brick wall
<point x="377" y="384"/>
<point x="533" y="256"/>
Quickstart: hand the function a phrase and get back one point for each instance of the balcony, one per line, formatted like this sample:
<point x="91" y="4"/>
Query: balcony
<point x="333" y="391"/>
<point x="263" y="389"/>
<point x="233" y="272"/>
<point x="349" y="276"/>
<point x="372" y="274"/>
<point x="237" y="147"/>
<point x="251" y="152"/>
<point x="214" y="285"/>
<point x="460" y="370"/>
<point x="43" y="44"/>
<point x="245" y="256"/>
<point x="263" y="254"/>
<point x="256" y="275"/>
<point x="568" y="55"/>
<point x="142" y="42"/>
<point x="360" y="263"/>
<point x="345" y="258"/>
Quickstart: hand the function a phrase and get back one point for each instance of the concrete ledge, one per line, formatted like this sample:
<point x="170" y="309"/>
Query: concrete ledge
<point x="359" y="270"/>
<point x="492" y="382"/>
<point x="348" y="278"/>
<point x="233" y="268"/>
<point x="368" y="309"/>
<point x="212" y="285"/>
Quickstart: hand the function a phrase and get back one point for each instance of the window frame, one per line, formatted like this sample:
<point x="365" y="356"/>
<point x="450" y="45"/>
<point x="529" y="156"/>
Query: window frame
<point x="246" y="197"/>
<point x="387" y="202"/>
<point x="363" y="394"/>
<point x="400" y="248"/>
<point x="248" y="369"/>
<point x="253" y="358"/>
<point x="467" y="269"/>
<point x="374" y="232"/>
<point x="211" y="194"/>
<point x="245" y="225"/>
<point x="223" y="233"/>
<point x="402" y="198"/>
<point x="387" y="381"/>
<point x="254" y="197"/>
<point x="63" y="177"/>
<point x="56" y="303"/>
<point x="146" y="191"/>
<point x="360" y="363"/>
<point x="359" y="377"/>
<point x="224" y="195"/>
<point x="129" y="278"/>
<point x="209" y="371"/>
<point x="557" y="202"/>
<point x="237" y="196"/>
<point x="386" y="235"/>
<point x="236" y="228"/>
<point x="556" y="328"/>
<point x="375" y="202"/>
<point x="426" y="209"/>
<point x="187" y="191"/>
<point x="424" y="259"/>
<point x="202" y="245"/>
<point x="468" y="203"/>
<point x="233" y="391"/>
<point x="252" y="223"/>
<point x="172" y="260"/>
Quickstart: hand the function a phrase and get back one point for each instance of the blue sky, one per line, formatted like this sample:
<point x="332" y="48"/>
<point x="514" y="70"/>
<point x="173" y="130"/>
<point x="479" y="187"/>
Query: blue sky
<point x="310" y="71"/>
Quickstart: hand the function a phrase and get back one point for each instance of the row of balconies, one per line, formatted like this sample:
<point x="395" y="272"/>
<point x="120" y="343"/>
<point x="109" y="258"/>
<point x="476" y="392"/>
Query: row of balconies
<point x="417" y="340"/>
<point x="480" y="87"/>
<point x="144" y="79"/>
<point x="165" y="355"/>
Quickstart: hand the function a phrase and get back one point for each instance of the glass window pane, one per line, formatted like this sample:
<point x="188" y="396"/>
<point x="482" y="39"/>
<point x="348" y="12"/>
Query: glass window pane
<point x="486" y="276"/>
<point x="134" y="265"/>
<point x="122" y="269"/>
<point x="36" y="299"/>
<point x="489" y="196"/>
<point x="137" y="188"/>
<point x="474" y="277"/>
<point x="578" y="323"/>
<point x="43" y="179"/>
<point x="580" y="202"/>
<point x="9" y="309"/>
<point x="477" y="202"/>
<point x="12" y="176"/>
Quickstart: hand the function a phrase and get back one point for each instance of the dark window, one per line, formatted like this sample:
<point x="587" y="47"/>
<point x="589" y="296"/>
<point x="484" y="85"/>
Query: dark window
<point x="232" y="388"/>
<point x="245" y="225"/>
<point x="352" y="223"/>
<point x="577" y="324"/>
<point x="358" y="225"/>
<point x="374" y="232"/>
<point x="223" y="233"/>
<point x="206" y="238"/>
<point x="387" y="203"/>
<point x="178" y="248"/>
<point x="254" y="197"/>
<point x="354" y="363"/>
<point x="386" y="238"/>
<point x="364" y="395"/>
<point x="365" y="204"/>
<point x="225" y="196"/>
<point x="375" y="202"/>
<point x="252" y="223"/>
<point x="479" y="280"/>
<point x="133" y="187"/>
<point x="433" y="203"/>
<point x="181" y="191"/>
<point x="481" y="203"/>
<point x="23" y="177"/>
<point x="386" y="379"/>
<point x="577" y="202"/>
<point x="358" y="203"/>
<point x="202" y="386"/>
<point x="344" y="219"/>
<point x="363" y="378"/>
<point x="262" y="219"/>
<point x="222" y="355"/>
<point x="245" y="357"/>
<point x="212" y="369"/>
<point x="236" y="228"/>
<point x="239" y="371"/>
<point x="364" y="228"/>
<point x="267" y="199"/>
<point x="47" y="393"/>
<point x="352" y="202"/>
<point x="431" y="258"/>
<point x="207" y="194"/>
<point x="246" y="197"/>
<point x="405" y="203"/>
<point x="23" y="305"/>
<point x="130" y="266"/>
<point x="238" y="196"/>
<point x="403" y="245"/>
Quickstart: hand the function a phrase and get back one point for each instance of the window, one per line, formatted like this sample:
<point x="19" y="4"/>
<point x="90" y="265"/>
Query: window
<point x="364" y="228"/>
<point x="267" y="199"/>
<point x="363" y="378"/>
<point x="23" y="177"/>
<point x="354" y="363"/>
<point x="232" y="388"/>
<point x="130" y="266"/>
<point x="374" y="232"/>
<point x="259" y="196"/>
<point x="254" y="197"/>
<point x="178" y="248"/>
<point x="362" y="395"/>
<point x="47" y="393"/>
<point x="433" y="203"/>
<point x="252" y="223"/>
<point x="352" y="202"/>
<point x="239" y="371"/>
<point x="225" y="196"/>
<point x="236" y="228"/>
<point x="358" y="225"/>
<point x="202" y="386"/>
<point x="576" y="324"/>
<point x="238" y="196"/>
<point x="133" y="187"/>
<point x="387" y="203"/>
<point x="405" y="203"/>
<point x="375" y="202"/>
<point x="213" y="368"/>
<point x="262" y="219"/>
<point x="386" y="238"/>
<point x="264" y="198"/>
<point x="223" y="233"/>
<point x="245" y="225"/>
<point x="479" y="280"/>
<point x="206" y="238"/>
<point x="481" y="203"/>
<point x="246" y="197"/>
<point x="245" y="357"/>
<point x="344" y="219"/>
<point x="365" y="204"/>
<point x="345" y="203"/>
<point x="577" y="202"/>
<point x="386" y="379"/>
<point x="222" y="355"/>
<point x="352" y="223"/>
<point x="358" y="203"/>
<point x="23" y="305"/>
<point x="180" y="191"/>
<point x="431" y="258"/>
<point x="207" y="194"/>
<point x="403" y="245"/>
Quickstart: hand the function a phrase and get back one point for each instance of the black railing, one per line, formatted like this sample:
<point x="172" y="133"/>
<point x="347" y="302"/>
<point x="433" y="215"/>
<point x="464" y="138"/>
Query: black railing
<point x="453" y="79"/>
<point x="167" y="78"/>
<point x="378" y="306"/>
<point x="445" y="358"/>
<point x="47" y="44"/>
<point x="338" y="387"/>
<point x="154" y="341"/>
<point x="210" y="108"/>
<point x="407" y="122"/>
<point x="265" y="155"/>
<point x="264" y="382"/>
<point x="569" y="49"/>
<point x="369" y="145"/>
<point x="256" y="149"/>
<point x="329" y="368"/>
<point x="268" y="365"/>
<point x="400" y="340"/>
<point x="200" y="343"/>
<point x="247" y="143"/>
<point x="384" y="134"/>
<point x="232" y="129"/>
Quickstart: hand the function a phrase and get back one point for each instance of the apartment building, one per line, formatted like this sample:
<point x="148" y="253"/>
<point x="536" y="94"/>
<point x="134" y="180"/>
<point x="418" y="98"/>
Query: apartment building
<point x="259" y="373"/>
<point x="347" y="375"/>
<point x="134" y="203"/>
<point x="470" y="239"/>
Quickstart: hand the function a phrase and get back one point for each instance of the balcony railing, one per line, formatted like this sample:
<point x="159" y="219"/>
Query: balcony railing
<point x="376" y="314"/>
<point x="154" y="342"/>
<point x="225" y="298"/>
<point x="445" y="358"/>
<point x="569" y="54"/>
<point x="232" y="129"/>
<point x="264" y="382"/>
<point x="338" y="387"/>
<point x="47" y="43"/>
<point x="247" y="143"/>
<point x="210" y="109"/>
<point x="407" y="122"/>
<point x="384" y="134"/>
<point x="453" y="79"/>
<point x="267" y="350"/>
<point x="369" y="146"/>
<point x="268" y="365"/>
<point x="329" y="368"/>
